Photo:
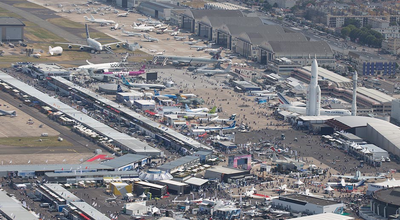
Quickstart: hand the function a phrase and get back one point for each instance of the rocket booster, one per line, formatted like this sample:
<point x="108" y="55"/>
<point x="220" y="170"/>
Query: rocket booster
<point x="314" y="92"/>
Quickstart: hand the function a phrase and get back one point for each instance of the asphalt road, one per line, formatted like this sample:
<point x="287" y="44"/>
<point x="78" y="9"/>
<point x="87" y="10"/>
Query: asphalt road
<point x="42" y="23"/>
<point x="80" y="144"/>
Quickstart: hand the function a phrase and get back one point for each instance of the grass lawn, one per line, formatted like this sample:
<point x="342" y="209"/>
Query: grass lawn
<point x="63" y="22"/>
<point x="27" y="5"/>
<point x="34" y="142"/>
<point x="5" y="13"/>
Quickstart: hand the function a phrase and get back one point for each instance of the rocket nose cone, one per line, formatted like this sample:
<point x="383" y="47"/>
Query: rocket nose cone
<point x="314" y="63"/>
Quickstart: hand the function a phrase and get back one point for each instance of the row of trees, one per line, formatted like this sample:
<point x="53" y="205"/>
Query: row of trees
<point x="363" y="35"/>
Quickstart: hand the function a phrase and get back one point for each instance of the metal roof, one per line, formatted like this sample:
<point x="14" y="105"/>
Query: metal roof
<point x="98" y="173"/>
<point x="9" y="21"/>
<point x="62" y="192"/>
<point x="373" y="148"/>
<point x="360" y="121"/>
<point x="51" y="167"/>
<point x="375" y="94"/>
<point x="90" y="211"/>
<point x="122" y="138"/>
<point x="196" y="181"/>
<point x="178" y="162"/>
<point x="309" y="199"/>
<point x="12" y="208"/>
<point x="306" y="47"/>
<point x="239" y="21"/>
<point x="325" y="216"/>
<point x="198" y="14"/>
<point x="225" y="170"/>
<point x="389" y="131"/>
<point x="124" y="160"/>
<point x="173" y="182"/>
<point x="159" y="6"/>
<point x="159" y="127"/>
<point x="237" y="29"/>
<point x="329" y="75"/>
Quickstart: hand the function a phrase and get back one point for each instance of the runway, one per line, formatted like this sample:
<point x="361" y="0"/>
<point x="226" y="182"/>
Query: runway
<point x="42" y="23"/>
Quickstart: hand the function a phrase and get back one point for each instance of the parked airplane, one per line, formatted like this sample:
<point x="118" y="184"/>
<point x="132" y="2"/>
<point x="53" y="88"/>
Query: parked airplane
<point x="129" y="73"/>
<point x="102" y="66"/>
<point x="224" y="120"/>
<point x="55" y="50"/>
<point x="177" y="38"/>
<point x="92" y="43"/>
<point x="300" y="108"/>
<point x="343" y="184"/>
<point x="142" y="85"/>
<point x="10" y="113"/>
<point x="201" y="47"/>
<point x="123" y="14"/>
<point x="218" y="128"/>
<point x="98" y="20"/>
<point x="130" y="33"/>
<point x="170" y="31"/>
<point x="176" y="32"/>
<point x="196" y="109"/>
<point x="144" y="19"/>
<point x="142" y="27"/>
<point x="115" y="27"/>
<point x="188" y="96"/>
<point x="213" y="51"/>
<point x="157" y="94"/>
<point x="215" y="71"/>
<point x="358" y="176"/>
<point x="179" y="60"/>
<point x="147" y="38"/>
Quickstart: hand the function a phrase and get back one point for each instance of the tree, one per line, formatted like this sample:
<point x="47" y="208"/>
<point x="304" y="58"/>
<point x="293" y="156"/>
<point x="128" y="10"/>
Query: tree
<point x="349" y="21"/>
<point x="345" y="32"/>
<point x="275" y="5"/>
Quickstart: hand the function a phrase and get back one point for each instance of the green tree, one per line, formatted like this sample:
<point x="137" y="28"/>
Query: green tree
<point x="345" y="32"/>
<point x="275" y="5"/>
<point x="349" y="21"/>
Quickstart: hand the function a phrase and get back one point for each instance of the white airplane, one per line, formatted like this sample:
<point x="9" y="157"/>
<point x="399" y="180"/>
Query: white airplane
<point x="170" y="31"/>
<point x="142" y="27"/>
<point x="179" y="60"/>
<point x="343" y="184"/>
<point x="358" y="176"/>
<point x="201" y="47"/>
<point x="148" y="38"/>
<point x="218" y="128"/>
<point x="224" y="120"/>
<point x="10" y="113"/>
<point x="300" y="108"/>
<point x="176" y="33"/>
<point x="98" y="20"/>
<point x="130" y="34"/>
<point x="196" y="109"/>
<point x="188" y="96"/>
<point x="55" y="50"/>
<point x="177" y="38"/>
<point x="213" y="72"/>
<point x="92" y="43"/>
<point x="142" y="85"/>
<point x="115" y="27"/>
<point x="36" y="55"/>
<point x="123" y="14"/>
<point x="104" y="66"/>
<point x="144" y="19"/>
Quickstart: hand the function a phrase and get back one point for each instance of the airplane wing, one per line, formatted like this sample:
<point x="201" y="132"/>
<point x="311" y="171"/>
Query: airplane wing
<point x="343" y="176"/>
<point x="371" y="177"/>
<point x="79" y="45"/>
<point x="112" y="44"/>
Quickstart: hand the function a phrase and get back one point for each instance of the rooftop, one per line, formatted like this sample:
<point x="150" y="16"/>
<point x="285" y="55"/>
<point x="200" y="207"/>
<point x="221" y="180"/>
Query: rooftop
<point x="325" y="216"/>
<point x="198" y="14"/>
<point x="329" y="75"/>
<point x="375" y="94"/>
<point x="360" y="121"/>
<point x="49" y="167"/>
<point x="308" y="199"/>
<point x="318" y="48"/>
<point x="390" y="195"/>
<point x="160" y="6"/>
<point x="90" y="211"/>
<point x="9" y="21"/>
<point x="99" y="173"/>
<point x="373" y="148"/>
<point x="61" y="192"/>
<point x="196" y="181"/>
<point x="124" y="160"/>
<point x="12" y="208"/>
<point x="178" y="162"/>
<point x="225" y="170"/>
<point x="173" y="182"/>
<point x="50" y="67"/>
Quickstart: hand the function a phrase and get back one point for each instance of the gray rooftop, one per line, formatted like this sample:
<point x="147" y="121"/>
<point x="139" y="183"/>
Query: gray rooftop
<point x="178" y="162"/>
<point x="13" y="209"/>
<point x="90" y="211"/>
<point x="304" y="48"/>
<point x="159" y="127"/>
<point x="375" y="94"/>
<point x="309" y="199"/>
<point x="236" y="29"/>
<point x="239" y="21"/>
<point x="373" y="148"/>
<point x="360" y="121"/>
<point x="99" y="173"/>
<point x="9" y="21"/>
<point x="122" y="138"/>
<point x="50" y="167"/>
<point x="62" y="192"/>
<point x="329" y="75"/>
<point x="225" y="170"/>
<point x="124" y="160"/>
<point x="198" y="14"/>
<point x="160" y="6"/>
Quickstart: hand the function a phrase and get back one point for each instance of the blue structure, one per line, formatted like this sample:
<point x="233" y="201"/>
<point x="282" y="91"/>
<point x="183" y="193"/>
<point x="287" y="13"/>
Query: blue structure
<point x="386" y="68"/>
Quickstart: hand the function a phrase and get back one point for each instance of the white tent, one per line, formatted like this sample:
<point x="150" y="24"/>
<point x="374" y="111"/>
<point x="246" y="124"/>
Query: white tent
<point x="329" y="188"/>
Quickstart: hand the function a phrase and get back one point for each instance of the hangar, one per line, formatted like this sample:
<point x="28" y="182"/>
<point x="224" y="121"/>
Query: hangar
<point x="158" y="10"/>
<point x="11" y="29"/>
<point x="376" y="131"/>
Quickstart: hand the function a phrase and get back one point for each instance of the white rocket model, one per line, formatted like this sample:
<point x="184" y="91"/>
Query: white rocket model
<point x="354" y="103"/>
<point x="314" y="92"/>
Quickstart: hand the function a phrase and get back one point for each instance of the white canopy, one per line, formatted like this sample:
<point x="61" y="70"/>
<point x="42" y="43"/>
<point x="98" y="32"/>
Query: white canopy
<point x="329" y="188"/>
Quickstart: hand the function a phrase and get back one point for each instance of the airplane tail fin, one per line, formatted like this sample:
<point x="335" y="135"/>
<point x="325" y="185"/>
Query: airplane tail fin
<point x="228" y="68"/>
<point x="134" y="24"/>
<point x="282" y="99"/>
<point x="87" y="31"/>
<point x="233" y="124"/>
<point x="51" y="53"/>
<point x="217" y="54"/>
<point x="358" y="174"/>
<point x="89" y="62"/>
<point x="86" y="18"/>
<point x="342" y="183"/>
<point x="213" y="110"/>
<point x="187" y="108"/>
<point x="92" y="17"/>
<point x="143" y="68"/>
<point x="119" y="89"/>
<point x="124" y="81"/>
<point x="233" y="116"/>
<point x="156" y="93"/>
